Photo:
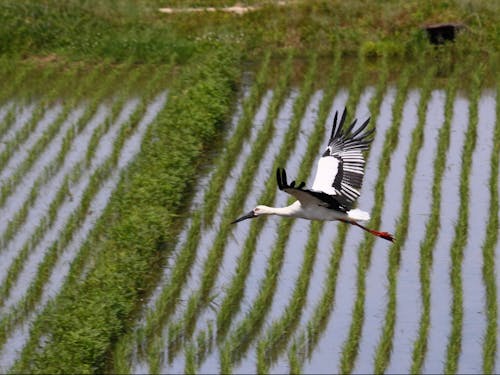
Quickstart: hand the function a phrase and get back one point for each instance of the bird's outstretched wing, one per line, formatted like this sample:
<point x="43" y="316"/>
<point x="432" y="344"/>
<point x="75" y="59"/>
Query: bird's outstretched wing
<point x="306" y="196"/>
<point x="340" y="170"/>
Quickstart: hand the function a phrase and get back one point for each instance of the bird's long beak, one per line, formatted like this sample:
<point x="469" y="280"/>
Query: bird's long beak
<point x="250" y="215"/>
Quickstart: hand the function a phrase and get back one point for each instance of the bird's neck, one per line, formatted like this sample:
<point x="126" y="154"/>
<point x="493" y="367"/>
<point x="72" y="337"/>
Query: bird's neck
<point x="281" y="211"/>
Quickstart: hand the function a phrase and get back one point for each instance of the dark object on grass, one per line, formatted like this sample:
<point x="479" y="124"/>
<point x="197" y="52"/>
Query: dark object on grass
<point x="443" y="32"/>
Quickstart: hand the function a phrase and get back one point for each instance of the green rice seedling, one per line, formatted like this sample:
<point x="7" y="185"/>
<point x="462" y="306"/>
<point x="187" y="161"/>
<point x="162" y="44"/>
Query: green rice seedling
<point x="9" y="119"/>
<point x="490" y="337"/>
<point x="211" y="266"/>
<point x="384" y="346"/>
<point x="461" y="229"/>
<point x="432" y="227"/>
<point x="306" y="342"/>
<point x="190" y="356"/>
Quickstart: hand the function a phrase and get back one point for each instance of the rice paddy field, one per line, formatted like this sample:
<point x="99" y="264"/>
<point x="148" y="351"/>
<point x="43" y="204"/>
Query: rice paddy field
<point x="122" y="166"/>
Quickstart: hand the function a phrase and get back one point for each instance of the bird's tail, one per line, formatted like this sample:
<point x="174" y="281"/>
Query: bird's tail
<point x="358" y="215"/>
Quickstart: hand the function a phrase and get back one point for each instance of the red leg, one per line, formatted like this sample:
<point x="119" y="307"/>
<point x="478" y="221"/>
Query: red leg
<point x="385" y="235"/>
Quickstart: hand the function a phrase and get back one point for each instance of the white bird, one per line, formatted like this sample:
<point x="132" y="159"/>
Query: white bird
<point x="339" y="177"/>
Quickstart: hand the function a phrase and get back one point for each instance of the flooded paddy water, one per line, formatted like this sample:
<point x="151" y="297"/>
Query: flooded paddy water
<point x="187" y="336"/>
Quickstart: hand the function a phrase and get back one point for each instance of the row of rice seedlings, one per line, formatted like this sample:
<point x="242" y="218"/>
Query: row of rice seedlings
<point x="166" y="302"/>
<point x="8" y="120"/>
<point x="432" y="228"/>
<point x="18" y="76"/>
<point x="100" y="173"/>
<point x="50" y="169"/>
<point x="384" y="347"/>
<point x="47" y="221"/>
<point x="16" y="80"/>
<point x="488" y="249"/>
<point x="454" y="346"/>
<point x="243" y="334"/>
<point x="27" y="129"/>
<point x="351" y="344"/>
<point x="280" y="331"/>
<point x="9" y="185"/>
<point x="199" y="298"/>
<point x="304" y="345"/>
<point x="224" y="165"/>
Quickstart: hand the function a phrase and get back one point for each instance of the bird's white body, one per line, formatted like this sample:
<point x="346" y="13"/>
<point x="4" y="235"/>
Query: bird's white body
<point x="310" y="212"/>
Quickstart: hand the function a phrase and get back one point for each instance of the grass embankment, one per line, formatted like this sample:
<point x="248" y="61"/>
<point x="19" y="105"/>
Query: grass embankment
<point x="306" y="342"/>
<point x="200" y="297"/>
<point x="489" y="277"/>
<point x="454" y="346"/>
<point x="86" y="318"/>
<point x="350" y="347"/>
<point x="384" y="346"/>
<point x="136" y="29"/>
<point x="433" y="226"/>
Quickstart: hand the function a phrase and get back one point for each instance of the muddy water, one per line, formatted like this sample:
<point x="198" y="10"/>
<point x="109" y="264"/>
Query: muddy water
<point x="409" y="304"/>
<point x="376" y="280"/>
<point x="130" y="149"/>
<point x="474" y="320"/>
<point x="440" y="279"/>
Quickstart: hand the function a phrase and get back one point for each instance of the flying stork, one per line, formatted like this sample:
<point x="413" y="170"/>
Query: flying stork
<point x="339" y="177"/>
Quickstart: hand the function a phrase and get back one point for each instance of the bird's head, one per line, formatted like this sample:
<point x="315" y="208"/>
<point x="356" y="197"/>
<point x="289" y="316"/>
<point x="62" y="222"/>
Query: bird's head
<point x="257" y="211"/>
